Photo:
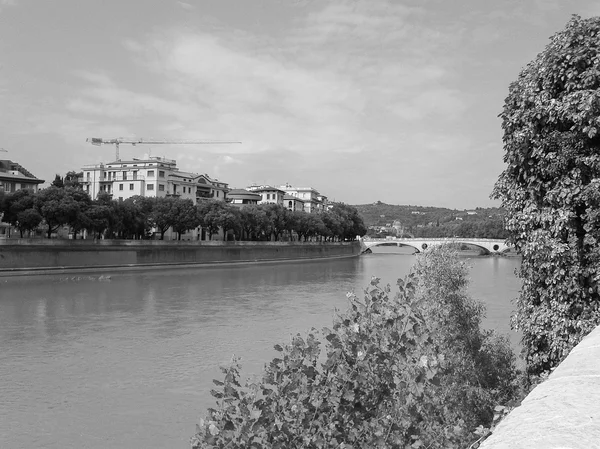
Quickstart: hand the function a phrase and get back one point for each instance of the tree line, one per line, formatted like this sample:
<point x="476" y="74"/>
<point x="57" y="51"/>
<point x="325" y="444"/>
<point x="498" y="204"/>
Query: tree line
<point x="141" y="217"/>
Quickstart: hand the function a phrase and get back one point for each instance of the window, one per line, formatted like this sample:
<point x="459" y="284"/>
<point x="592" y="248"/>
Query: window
<point x="150" y="187"/>
<point x="161" y="187"/>
<point x="130" y="186"/>
<point x="161" y="174"/>
<point x="150" y="173"/>
<point x="120" y="186"/>
<point x="105" y="173"/>
<point x="268" y="196"/>
<point x="88" y="175"/>
<point x="289" y="204"/>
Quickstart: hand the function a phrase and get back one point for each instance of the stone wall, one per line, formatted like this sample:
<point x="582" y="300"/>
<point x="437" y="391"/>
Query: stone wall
<point x="18" y="256"/>
<point x="562" y="412"/>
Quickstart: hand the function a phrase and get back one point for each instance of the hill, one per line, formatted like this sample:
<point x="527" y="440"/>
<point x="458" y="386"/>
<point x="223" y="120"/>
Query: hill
<point x="387" y="219"/>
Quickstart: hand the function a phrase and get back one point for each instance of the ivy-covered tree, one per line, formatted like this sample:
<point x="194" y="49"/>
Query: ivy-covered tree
<point x="550" y="190"/>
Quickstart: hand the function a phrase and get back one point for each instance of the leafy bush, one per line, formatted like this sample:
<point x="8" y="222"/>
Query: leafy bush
<point x="406" y="370"/>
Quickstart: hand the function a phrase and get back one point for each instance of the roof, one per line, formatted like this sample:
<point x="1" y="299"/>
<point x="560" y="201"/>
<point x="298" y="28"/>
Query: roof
<point x="21" y="178"/>
<point x="7" y="166"/>
<point x="292" y="197"/>
<point x="289" y="188"/>
<point x="243" y="193"/>
<point x="267" y="189"/>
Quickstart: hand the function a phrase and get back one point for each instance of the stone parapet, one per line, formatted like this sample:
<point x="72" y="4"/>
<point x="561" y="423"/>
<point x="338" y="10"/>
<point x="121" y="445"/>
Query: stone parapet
<point x="562" y="412"/>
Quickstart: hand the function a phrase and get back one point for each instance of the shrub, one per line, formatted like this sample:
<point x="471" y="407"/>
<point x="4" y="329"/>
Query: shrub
<point x="406" y="370"/>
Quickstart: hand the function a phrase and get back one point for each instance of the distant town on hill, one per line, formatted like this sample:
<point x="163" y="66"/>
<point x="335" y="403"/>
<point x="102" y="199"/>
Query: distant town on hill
<point x="384" y="220"/>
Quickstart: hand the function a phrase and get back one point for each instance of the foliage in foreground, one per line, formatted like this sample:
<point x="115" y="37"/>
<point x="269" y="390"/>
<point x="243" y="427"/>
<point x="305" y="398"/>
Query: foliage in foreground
<point x="406" y="370"/>
<point x="551" y="192"/>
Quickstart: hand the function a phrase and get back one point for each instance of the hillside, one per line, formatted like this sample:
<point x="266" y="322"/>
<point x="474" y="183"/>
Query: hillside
<point x="388" y="219"/>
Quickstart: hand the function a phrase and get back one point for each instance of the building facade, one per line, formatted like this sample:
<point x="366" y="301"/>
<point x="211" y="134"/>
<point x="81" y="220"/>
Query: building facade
<point x="269" y="194"/>
<point x="314" y="202"/>
<point x="14" y="176"/>
<point x="151" y="176"/>
<point x="293" y="203"/>
<point x="241" y="197"/>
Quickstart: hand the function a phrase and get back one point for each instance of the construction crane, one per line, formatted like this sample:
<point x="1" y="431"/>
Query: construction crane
<point x="119" y="140"/>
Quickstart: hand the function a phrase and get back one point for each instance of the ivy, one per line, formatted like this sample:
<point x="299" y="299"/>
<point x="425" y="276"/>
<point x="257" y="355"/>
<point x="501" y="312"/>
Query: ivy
<point x="550" y="190"/>
<point x="410" y="369"/>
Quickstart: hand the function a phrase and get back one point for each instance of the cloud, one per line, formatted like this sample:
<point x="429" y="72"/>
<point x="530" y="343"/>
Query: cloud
<point x="347" y="81"/>
<point x="186" y="6"/>
<point x="7" y="3"/>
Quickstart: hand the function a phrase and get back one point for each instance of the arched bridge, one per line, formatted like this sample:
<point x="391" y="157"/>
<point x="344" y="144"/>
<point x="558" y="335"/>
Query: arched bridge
<point x="490" y="246"/>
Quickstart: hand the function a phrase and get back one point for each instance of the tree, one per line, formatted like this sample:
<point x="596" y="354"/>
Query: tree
<point x="394" y="371"/>
<point x="78" y="219"/>
<point x="253" y="220"/>
<point x="277" y="219"/>
<point x="16" y="202"/>
<point x="162" y="215"/>
<point x="28" y="220"/>
<point x="71" y="179"/>
<point x="56" y="207"/>
<point x="185" y="216"/>
<point x="58" y="182"/>
<point x="550" y="189"/>
<point x="228" y="218"/>
<point x="209" y="212"/>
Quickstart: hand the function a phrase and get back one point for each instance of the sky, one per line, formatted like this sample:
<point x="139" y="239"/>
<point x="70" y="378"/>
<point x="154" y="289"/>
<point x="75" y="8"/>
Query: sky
<point x="364" y="100"/>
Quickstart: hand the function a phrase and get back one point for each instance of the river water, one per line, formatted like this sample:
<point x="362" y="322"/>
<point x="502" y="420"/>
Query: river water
<point x="129" y="362"/>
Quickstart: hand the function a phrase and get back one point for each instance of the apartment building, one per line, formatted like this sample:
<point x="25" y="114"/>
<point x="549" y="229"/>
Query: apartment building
<point x="242" y="197"/>
<point x="150" y="176"/>
<point x="314" y="202"/>
<point x="14" y="176"/>
<point x="269" y="194"/>
<point x="293" y="203"/>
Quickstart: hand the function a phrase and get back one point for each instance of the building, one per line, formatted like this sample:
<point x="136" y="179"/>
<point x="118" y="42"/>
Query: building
<point x="15" y="177"/>
<point x="313" y="200"/>
<point x="269" y="194"/>
<point x="241" y="197"/>
<point x="151" y="176"/>
<point x="293" y="203"/>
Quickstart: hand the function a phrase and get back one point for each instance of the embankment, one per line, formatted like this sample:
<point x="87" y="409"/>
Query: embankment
<point x="563" y="411"/>
<point x="26" y="257"/>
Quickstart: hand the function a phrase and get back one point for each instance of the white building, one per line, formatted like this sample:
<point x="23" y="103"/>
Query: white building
<point x="270" y="194"/>
<point x="313" y="200"/>
<point x="151" y="176"/>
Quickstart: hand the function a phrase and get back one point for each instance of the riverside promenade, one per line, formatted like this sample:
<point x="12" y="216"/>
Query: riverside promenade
<point x="562" y="412"/>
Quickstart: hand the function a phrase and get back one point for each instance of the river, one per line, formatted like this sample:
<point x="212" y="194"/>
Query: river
<point x="129" y="362"/>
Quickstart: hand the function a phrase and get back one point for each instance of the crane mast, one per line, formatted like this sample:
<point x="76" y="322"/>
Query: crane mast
<point x="116" y="142"/>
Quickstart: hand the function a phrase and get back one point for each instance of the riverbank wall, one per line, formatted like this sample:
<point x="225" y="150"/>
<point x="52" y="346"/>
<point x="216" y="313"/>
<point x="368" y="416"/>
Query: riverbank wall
<point x="33" y="256"/>
<point x="561" y="412"/>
